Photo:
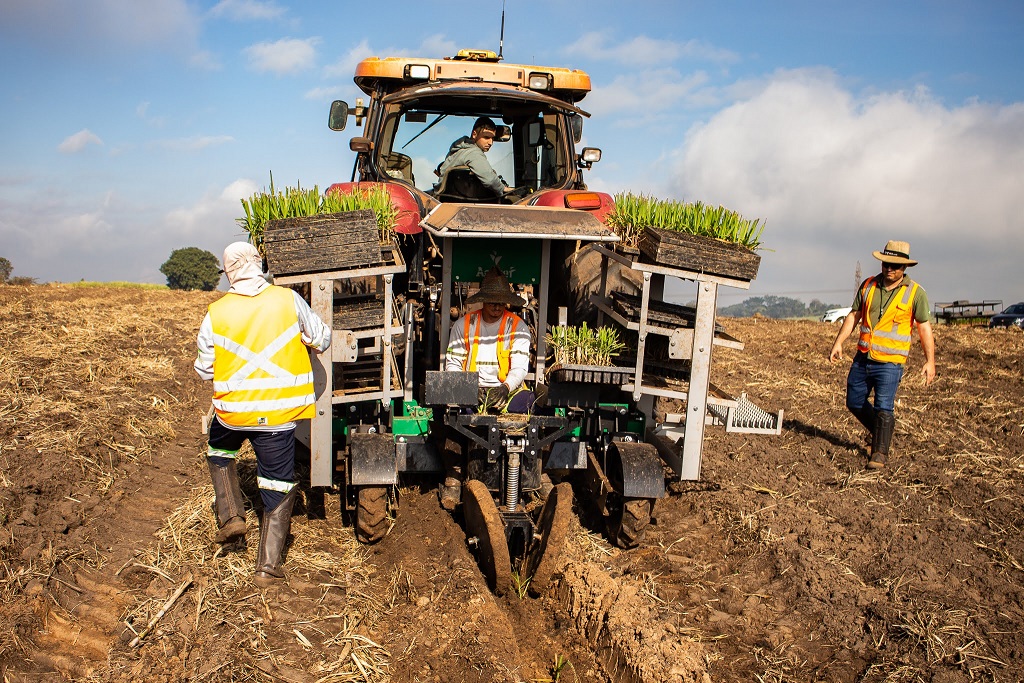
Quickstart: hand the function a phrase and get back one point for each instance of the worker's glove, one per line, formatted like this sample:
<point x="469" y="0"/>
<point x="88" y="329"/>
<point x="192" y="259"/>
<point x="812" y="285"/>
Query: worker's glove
<point x="497" y="396"/>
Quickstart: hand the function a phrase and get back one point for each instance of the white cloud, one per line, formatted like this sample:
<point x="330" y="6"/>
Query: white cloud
<point x="433" y="46"/>
<point x="142" y="111"/>
<point x="345" y="66"/>
<point x="642" y="50"/>
<point x="285" y="56"/>
<point x="79" y="141"/>
<point x="324" y="94"/>
<point x="205" y="60"/>
<point x="212" y="213"/>
<point x="195" y="143"/>
<point x="243" y="188"/>
<point x="245" y="10"/>
<point x="832" y="171"/>
<point x="102" y="26"/>
<point x="647" y="94"/>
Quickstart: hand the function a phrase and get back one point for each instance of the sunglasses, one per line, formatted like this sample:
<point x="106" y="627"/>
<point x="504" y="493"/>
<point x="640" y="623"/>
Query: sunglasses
<point x="894" y="266"/>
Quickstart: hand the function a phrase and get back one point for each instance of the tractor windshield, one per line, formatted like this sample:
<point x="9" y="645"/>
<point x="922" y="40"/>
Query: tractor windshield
<point x="532" y="150"/>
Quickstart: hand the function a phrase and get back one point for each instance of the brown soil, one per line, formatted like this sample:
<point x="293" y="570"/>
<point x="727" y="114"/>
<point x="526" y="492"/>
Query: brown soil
<point x="786" y="562"/>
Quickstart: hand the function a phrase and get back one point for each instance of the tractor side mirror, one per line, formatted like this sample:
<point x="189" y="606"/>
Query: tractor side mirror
<point x="339" y="115"/>
<point x="360" y="144"/>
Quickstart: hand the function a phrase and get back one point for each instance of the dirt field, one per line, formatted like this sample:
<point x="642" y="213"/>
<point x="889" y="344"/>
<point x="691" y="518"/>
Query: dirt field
<point x="786" y="562"/>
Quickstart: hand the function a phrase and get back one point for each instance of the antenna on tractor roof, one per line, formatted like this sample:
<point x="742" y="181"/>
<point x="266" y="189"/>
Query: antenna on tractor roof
<point x="501" y="39"/>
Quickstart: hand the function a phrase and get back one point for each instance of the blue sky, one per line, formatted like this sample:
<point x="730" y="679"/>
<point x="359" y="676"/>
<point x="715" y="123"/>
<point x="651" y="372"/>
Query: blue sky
<point x="130" y="129"/>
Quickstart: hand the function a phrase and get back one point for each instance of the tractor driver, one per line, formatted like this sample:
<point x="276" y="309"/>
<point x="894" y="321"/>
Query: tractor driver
<point x="495" y="343"/>
<point x="471" y="152"/>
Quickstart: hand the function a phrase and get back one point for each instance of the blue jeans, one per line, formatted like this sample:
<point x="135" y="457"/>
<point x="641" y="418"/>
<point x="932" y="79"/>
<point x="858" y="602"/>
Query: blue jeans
<point x="868" y="375"/>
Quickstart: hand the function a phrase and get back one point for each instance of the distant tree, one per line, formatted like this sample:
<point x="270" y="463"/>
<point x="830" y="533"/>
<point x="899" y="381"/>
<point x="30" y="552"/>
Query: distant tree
<point x="776" y="307"/>
<point x="192" y="268"/>
<point x="816" y="307"/>
<point x="5" y="270"/>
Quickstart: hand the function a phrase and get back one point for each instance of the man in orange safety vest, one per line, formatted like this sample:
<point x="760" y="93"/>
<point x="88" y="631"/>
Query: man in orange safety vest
<point x="887" y="307"/>
<point x="495" y="343"/>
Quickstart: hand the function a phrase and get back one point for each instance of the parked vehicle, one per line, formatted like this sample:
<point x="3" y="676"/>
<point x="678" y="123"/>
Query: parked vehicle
<point x="835" y="315"/>
<point x="1011" y="315"/>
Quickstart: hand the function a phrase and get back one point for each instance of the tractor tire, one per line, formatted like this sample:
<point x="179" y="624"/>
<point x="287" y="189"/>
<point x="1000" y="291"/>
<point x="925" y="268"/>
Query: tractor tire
<point x="484" y="524"/>
<point x="628" y="523"/>
<point x="371" y="513"/>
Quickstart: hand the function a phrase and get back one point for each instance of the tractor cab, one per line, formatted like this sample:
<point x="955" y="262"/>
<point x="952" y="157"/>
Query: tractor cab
<point x="420" y="108"/>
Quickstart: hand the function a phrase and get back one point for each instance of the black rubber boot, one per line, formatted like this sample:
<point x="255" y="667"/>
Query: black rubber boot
<point x="866" y="416"/>
<point x="230" y="506"/>
<point x="885" y="424"/>
<point x="273" y="534"/>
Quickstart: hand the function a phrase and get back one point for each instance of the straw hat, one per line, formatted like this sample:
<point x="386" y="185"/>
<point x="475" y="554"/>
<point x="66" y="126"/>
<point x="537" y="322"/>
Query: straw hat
<point x="495" y="289"/>
<point x="895" y="252"/>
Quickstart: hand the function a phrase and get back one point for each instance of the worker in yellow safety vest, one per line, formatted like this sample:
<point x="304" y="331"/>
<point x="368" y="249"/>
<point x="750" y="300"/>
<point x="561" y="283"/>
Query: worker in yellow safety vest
<point x="495" y="343"/>
<point x="887" y="307"/>
<point x="253" y="345"/>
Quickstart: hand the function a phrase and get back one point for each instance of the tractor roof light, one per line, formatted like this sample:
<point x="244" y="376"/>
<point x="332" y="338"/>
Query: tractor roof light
<point x="417" y="72"/>
<point x="583" y="200"/>
<point x="540" y="81"/>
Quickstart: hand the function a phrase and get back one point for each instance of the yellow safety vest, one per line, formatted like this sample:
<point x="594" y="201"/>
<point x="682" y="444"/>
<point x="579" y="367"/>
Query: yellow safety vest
<point x="473" y="343"/>
<point x="888" y="340"/>
<point x="261" y="370"/>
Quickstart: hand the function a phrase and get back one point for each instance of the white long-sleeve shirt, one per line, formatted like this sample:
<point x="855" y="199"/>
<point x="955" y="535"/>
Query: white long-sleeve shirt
<point x="487" y="351"/>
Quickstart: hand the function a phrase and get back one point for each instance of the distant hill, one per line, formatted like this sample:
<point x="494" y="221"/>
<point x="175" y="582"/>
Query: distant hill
<point x="776" y="307"/>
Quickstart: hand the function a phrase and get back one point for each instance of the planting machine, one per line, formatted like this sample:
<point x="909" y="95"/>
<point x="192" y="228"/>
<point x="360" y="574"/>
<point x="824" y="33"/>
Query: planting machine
<point x="386" y="408"/>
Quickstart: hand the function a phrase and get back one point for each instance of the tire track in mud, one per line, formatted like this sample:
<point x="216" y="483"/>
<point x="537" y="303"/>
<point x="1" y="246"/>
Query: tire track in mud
<point x="82" y="602"/>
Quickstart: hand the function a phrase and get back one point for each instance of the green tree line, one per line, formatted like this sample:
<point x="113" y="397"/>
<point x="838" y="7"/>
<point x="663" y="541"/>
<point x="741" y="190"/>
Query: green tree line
<point x="777" y="307"/>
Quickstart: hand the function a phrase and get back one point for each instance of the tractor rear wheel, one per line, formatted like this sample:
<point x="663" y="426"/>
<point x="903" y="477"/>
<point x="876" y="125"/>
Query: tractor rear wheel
<point x="371" y="513"/>
<point x="628" y="522"/>
<point x="484" y="524"/>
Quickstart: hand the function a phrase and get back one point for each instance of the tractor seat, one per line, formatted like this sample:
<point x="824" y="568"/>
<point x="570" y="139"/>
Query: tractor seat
<point x="460" y="184"/>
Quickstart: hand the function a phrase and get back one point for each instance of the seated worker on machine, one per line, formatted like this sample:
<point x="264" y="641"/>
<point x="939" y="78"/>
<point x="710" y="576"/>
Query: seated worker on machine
<point x="470" y="152"/>
<point x="495" y="343"/>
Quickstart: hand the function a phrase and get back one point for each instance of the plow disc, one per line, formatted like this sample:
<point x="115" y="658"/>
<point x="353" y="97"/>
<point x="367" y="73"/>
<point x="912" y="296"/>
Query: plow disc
<point x="552" y="527"/>
<point x="483" y="523"/>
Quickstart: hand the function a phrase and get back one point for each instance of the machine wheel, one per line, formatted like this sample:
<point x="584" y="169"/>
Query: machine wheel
<point x="484" y="523"/>
<point x="552" y="527"/>
<point x="628" y="522"/>
<point x="371" y="513"/>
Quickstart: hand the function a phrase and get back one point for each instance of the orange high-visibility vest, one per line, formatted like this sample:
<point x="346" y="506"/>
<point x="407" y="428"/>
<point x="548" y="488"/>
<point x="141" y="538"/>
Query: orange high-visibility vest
<point x="261" y="370"/>
<point x="888" y="340"/>
<point x="473" y="343"/>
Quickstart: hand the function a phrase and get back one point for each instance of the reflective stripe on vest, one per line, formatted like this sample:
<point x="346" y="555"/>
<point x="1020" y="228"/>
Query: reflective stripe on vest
<point x="261" y="371"/>
<point x="472" y="344"/>
<point x="888" y="340"/>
